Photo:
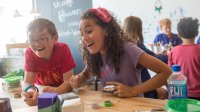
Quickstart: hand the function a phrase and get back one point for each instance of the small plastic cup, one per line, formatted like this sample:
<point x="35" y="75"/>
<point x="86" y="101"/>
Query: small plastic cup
<point x="12" y="84"/>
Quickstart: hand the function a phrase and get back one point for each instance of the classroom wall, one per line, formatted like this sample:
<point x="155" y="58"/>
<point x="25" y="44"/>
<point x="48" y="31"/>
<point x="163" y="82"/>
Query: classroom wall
<point x="44" y="7"/>
<point x="145" y="9"/>
<point x="66" y="16"/>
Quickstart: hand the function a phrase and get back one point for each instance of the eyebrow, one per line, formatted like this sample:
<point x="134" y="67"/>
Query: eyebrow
<point x="87" y="26"/>
<point x="41" y="34"/>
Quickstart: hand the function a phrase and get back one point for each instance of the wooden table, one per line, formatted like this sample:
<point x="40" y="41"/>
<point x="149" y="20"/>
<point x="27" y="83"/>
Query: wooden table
<point x="120" y="104"/>
<point x="89" y="97"/>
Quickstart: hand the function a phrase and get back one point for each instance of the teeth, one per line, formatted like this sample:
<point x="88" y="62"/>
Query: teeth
<point x="39" y="49"/>
<point x="89" y="44"/>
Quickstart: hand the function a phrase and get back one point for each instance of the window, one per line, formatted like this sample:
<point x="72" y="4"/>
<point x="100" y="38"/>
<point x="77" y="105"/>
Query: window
<point x="13" y="29"/>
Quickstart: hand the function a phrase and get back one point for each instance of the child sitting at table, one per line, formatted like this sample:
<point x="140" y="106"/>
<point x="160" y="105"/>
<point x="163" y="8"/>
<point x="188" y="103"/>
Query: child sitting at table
<point x="133" y="28"/>
<point x="187" y="55"/>
<point x="47" y="62"/>
<point x="111" y="57"/>
<point x="167" y="36"/>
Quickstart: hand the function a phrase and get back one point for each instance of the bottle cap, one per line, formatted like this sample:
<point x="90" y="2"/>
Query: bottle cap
<point x="176" y="68"/>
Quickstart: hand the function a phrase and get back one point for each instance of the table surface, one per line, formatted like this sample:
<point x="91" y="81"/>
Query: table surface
<point x="89" y="97"/>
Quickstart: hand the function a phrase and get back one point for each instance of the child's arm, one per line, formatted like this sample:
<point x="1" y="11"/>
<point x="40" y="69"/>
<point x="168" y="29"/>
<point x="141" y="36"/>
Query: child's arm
<point x="161" y="69"/>
<point x="28" y="79"/>
<point x="31" y="94"/>
<point x="162" y="73"/>
<point x="64" y="87"/>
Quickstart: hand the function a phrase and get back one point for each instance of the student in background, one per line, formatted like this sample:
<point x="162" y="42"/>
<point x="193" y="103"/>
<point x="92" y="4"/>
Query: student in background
<point x="133" y="29"/>
<point x="167" y="36"/>
<point x="187" y="55"/>
<point x="47" y="62"/>
<point x="110" y="57"/>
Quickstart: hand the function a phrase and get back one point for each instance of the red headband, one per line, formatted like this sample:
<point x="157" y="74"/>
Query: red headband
<point x="102" y="13"/>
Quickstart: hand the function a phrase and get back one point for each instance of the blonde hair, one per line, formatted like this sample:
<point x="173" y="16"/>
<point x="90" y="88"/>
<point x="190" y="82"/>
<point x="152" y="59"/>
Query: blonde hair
<point x="133" y="29"/>
<point x="165" y="21"/>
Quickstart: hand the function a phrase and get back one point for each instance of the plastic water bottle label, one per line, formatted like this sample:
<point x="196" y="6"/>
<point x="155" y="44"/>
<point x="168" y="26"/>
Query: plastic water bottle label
<point x="177" y="91"/>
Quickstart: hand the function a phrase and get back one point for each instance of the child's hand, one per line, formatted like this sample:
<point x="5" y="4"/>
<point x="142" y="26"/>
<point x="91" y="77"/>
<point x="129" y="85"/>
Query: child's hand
<point x="75" y="81"/>
<point x="122" y="90"/>
<point x="31" y="97"/>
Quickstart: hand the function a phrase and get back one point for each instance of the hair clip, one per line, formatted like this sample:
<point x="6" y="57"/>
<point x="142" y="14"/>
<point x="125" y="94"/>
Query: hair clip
<point x="102" y="13"/>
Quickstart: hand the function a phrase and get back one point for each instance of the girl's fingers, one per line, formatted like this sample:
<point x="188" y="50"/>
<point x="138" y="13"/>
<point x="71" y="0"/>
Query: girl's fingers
<point x="74" y="78"/>
<point x="75" y="81"/>
<point x="72" y="81"/>
<point x="113" y="83"/>
<point x="116" y="88"/>
<point x="116" y="93"/>
<point x="77" y="77"/>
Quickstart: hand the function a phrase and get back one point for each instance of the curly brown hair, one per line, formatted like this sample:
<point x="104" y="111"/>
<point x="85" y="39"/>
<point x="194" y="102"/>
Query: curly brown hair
<point x="113" y="45"/>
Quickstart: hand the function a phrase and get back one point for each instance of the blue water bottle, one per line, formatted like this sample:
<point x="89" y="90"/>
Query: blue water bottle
<point x="177" y="84"/>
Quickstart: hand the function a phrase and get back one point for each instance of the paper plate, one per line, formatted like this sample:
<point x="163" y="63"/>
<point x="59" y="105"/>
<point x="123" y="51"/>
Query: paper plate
<point x="183" y="105"/>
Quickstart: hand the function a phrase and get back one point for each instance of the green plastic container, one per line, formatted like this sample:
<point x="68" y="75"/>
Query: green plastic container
<point x="183" y="105"/>
<point x="13" y="82"/>
<point x="14" y="79"/>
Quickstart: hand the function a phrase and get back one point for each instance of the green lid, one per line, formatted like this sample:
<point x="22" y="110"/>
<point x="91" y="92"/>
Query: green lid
<point x="183" y="105"/>
<point x="13" y="79"/>
<point x="108" y="103"/>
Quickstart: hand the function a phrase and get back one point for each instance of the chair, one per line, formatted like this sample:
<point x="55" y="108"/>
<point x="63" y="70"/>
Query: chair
<point x="16" y="45"/>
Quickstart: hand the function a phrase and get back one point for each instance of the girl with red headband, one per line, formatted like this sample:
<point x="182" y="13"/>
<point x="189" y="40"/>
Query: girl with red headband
<point x="110" y="56"/>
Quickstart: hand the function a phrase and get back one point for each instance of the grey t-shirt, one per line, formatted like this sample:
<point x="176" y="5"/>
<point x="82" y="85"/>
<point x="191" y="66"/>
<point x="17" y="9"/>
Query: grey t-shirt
<point x="129" y="74"/>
